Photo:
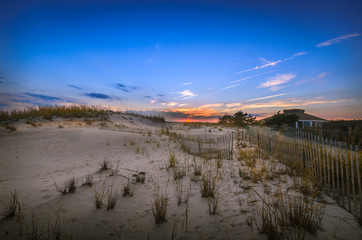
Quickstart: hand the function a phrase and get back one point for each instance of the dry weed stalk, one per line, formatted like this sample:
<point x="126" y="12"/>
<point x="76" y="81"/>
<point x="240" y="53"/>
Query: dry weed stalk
<point x="159" y="204"/>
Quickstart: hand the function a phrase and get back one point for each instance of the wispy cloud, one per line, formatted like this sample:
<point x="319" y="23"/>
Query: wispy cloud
<point x="42" y="97"/>
<point x="261" y="67"/>
<point x="125" y="88"/>
<point x="213" y="105"/>
<point x="246" y="78"/>
<point x="322" y="75"/>
<point x="153" y="100"/>
<point x="98" y="95"/>
<point x="295" y="55"/>
<point x="188" y="83"/>
<point x="337" y="40"/>
<point x="232" y="86"/>
<point x="255" y="99"/>
<point x="74" y="86"/>
<point x="272" y="63"/>
<point x="150" y="59"/>
<point x="230" y="105"/>
<point x="291" y="102"/>
<point x="186" y="94"/>
<point x="172" y="104"/>
<point x="279" y="79"/>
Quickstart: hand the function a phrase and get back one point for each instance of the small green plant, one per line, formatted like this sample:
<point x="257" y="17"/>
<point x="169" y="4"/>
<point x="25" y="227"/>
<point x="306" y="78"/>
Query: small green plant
<point x="127" y="189"/>
<point x="171" y="161"/>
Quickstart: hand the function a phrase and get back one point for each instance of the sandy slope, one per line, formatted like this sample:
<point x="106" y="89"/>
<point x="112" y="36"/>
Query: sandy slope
<point x="32" y="158"/>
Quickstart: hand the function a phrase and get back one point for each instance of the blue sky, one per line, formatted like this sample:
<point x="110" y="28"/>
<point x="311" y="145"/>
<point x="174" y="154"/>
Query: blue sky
<point x="184" y="59"/>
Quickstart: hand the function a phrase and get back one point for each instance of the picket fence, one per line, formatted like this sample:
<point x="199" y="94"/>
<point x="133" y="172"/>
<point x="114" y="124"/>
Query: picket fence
<point x="333" y="166"/>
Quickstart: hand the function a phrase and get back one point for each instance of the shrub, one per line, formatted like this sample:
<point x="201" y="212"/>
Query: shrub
<point x="140" y="177"/>
<point x="11" y="127"/>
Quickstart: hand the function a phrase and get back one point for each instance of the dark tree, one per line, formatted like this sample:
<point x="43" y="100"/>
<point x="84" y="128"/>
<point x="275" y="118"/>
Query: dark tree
<point x="282" y="119"/>
<point x="238" y="119"/>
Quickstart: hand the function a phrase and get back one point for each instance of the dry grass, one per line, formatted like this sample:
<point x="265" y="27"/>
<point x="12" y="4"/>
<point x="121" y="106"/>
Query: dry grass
<point x="115" y="171"/>
<point x="112" y="198"/>
<point x="104" y="165"/>
<point x="88" y="180"/>
<point x="178" y="172"/>
<point x="99" y="194"/>
<point x="159" y="204"/>
<point x="286" y="216"/>
<point x="69" y="186"/>
<point x="10" y="207"/>
<point x="127" y="189"/>
<point x="48" y="112"/>
<point x="182" y="193"/>
<point x="209" y="184"/>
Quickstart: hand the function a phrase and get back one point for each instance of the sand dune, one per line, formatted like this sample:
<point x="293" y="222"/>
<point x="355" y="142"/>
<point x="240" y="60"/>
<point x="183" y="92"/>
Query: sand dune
<point x="33" y="158"/>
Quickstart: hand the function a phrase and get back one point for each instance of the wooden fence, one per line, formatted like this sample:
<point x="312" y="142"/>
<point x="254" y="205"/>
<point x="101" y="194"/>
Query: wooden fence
<point x="208" y="144"/>
<point x="335" y="169"/>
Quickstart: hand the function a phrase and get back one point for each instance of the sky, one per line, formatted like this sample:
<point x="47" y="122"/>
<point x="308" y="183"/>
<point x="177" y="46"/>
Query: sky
<point x="185" y="60"/>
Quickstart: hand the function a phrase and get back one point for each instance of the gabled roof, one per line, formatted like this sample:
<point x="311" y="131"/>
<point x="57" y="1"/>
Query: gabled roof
<point x="302" y="115"/>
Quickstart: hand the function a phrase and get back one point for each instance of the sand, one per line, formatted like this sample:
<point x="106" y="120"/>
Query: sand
<point x="33" y="158"/>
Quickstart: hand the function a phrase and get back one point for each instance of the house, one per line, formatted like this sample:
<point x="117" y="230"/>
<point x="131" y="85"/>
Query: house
<point x="305" y="119"/>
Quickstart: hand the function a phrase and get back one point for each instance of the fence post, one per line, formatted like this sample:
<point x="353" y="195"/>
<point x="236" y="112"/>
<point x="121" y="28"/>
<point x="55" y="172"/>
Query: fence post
<point x="359" y="182"/>
<point x="341" y="165"/>
<point x="232" y="145"/>
<point x="347" y="178"/>
<point x="352" y="178"/>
